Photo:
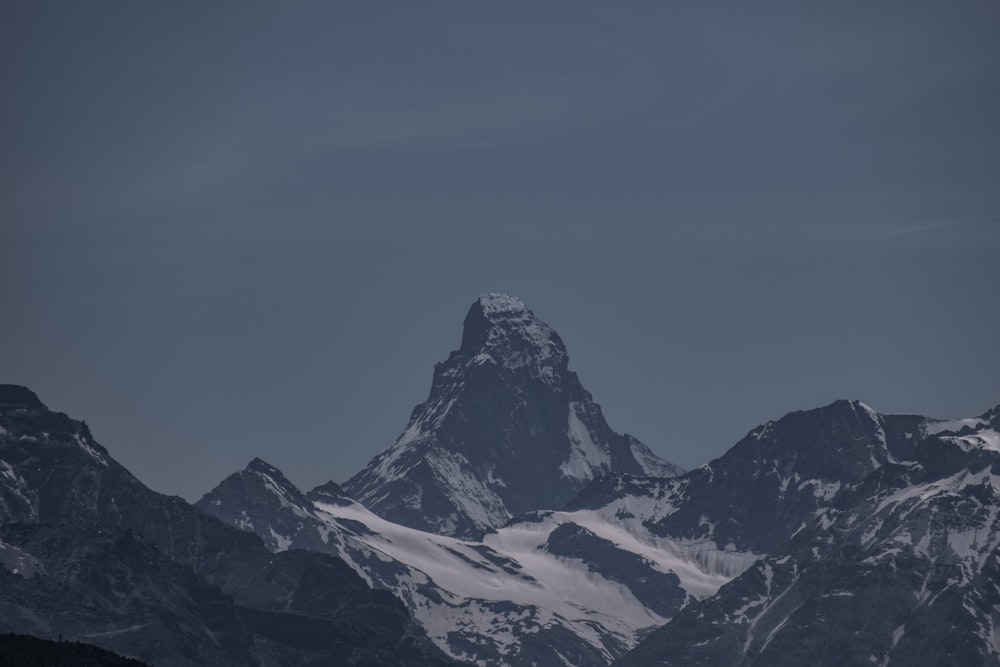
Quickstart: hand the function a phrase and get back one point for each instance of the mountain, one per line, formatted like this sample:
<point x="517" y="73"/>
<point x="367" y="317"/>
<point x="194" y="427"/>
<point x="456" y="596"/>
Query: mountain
<point x="900" y="567"/>
<point x="90" y="553"/>
<point x="771" y="482"/>
<point x="549" y="588"/>
<point x="507" y="429"/>
<point x="707" y="555"/>
<point x="833" y="536"/>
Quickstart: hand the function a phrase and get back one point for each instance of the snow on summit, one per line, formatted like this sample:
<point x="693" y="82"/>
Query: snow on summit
<point x="501" y="329"/>
<point x="494" y="302"/>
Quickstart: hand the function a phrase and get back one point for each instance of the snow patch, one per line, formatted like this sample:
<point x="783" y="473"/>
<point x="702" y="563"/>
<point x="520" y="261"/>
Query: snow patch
<point x="982" y="440"/>
<point x="476" y="584"/>
<point x="87" y="447"/>
<point x="953" y="426"/>
<point x="243" y="522"/>
<point x="821" y="490"/>
<point x="283" y="542"/>
<point x="114" y="633"/>
<point x="466" y="490"/>
<point x="651" y="464"/>
<point x="969" y="434"/>
<point x="586" y="460"/>
<point x="510" y="584"/>
<point x="18" y="561"/>
<point x="281" y="494"/>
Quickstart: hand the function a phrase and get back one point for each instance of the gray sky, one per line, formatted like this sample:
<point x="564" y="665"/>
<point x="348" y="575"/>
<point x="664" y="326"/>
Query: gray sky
<point x="238" y="230"/>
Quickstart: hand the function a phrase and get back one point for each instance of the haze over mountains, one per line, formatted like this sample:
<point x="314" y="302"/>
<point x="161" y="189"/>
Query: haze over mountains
<point x="510" y="525"/>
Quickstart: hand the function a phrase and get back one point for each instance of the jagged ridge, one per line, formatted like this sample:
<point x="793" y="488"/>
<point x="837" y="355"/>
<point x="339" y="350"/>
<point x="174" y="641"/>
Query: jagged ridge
<point x="89" y="552"/>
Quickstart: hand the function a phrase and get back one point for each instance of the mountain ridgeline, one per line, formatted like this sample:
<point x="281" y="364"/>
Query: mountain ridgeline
<point x="89" y="553"/>
<point x="509" y="526"/>
<point x="771" y="554"/>
<point x="900" y="566"/>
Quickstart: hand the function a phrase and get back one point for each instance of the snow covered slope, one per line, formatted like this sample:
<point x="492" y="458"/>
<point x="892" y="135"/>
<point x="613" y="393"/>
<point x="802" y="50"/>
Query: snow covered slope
<point x="507" y="428"/>
<point x="554" y="588"/>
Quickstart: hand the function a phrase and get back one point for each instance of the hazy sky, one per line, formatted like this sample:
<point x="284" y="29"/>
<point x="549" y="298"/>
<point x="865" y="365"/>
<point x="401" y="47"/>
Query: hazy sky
<point x="248" y="229"/>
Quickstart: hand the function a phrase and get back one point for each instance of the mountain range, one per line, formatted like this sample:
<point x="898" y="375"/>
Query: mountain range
<point x="510" y="525"/>
<point x="92" y="554"/>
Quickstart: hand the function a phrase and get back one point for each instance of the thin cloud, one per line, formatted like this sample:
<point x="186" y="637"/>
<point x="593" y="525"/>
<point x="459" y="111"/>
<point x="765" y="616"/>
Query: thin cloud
<point x="933" y="226"/>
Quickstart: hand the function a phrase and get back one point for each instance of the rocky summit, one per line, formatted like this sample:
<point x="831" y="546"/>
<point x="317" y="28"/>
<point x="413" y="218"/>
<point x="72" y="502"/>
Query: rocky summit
<point x="507" y="428"/>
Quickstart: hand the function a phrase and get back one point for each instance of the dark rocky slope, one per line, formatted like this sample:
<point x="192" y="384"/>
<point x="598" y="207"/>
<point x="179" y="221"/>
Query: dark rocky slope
<point x="84" y="510"/>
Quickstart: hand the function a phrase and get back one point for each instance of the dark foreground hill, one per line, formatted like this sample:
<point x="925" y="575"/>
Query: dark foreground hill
<point x="27" y="651"/>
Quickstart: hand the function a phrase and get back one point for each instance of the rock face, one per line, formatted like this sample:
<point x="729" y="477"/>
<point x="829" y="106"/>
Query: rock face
<point x="88" y="552"/>
<point x="772" y="482"/>
<point x="900" y="566"/>
<point x="507" y="428"/>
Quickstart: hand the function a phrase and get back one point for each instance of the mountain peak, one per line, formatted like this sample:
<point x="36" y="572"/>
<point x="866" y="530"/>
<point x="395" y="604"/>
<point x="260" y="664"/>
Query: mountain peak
<point x="501" y="328"/>
<point x="17" y="396"/>
<point x="258" y="488"/>
<point x="260" y="465"/>
<point x="507" y="428"/>
<point x="493" y="303"/>
<point x="271" y="477"/>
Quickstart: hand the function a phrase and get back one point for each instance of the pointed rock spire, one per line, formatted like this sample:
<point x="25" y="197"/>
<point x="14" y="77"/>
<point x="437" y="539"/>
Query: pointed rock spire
<point x="507" y="428"/>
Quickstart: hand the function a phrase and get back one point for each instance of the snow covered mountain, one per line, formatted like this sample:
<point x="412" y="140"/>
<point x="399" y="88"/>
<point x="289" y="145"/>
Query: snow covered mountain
<point x="551" y="588"/>
<point x="900" y="567"/>
<point x="834" y="536"/>
<point x="507" y="428"/>
<point x="830" y="503"/>
<point x="770" y="483"/>
<point x="628" y="553"/>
